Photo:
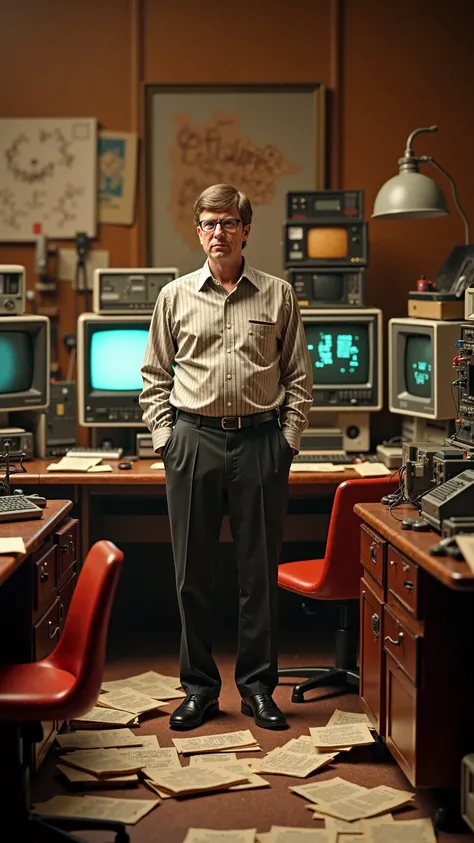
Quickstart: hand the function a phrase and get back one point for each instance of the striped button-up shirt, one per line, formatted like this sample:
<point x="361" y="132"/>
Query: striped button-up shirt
<point x="226" y="354"/>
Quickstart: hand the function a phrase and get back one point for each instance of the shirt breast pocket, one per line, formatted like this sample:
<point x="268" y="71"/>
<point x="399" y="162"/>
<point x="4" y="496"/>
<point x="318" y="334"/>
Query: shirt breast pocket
<point x="262" y="342"/>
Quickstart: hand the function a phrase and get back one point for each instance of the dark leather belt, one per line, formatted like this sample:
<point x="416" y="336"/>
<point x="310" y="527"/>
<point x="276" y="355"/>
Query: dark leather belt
<point x="228" y="422"/>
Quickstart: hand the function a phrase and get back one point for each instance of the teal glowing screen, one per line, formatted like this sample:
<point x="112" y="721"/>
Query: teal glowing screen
<point x="116" y="358"/>
<point x="16" y="361"/>
<point x="418" y="365"/>
<point x="339" y="353"/>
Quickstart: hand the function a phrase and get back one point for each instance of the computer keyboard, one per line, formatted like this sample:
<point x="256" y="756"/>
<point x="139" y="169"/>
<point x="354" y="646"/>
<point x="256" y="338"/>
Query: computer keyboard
<point x="18" y="508"/>
<point x="105" y="453"/>
<point x="339" y="458"/>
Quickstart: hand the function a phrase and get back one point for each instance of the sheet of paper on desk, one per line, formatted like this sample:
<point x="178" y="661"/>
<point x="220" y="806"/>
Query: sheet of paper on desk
<point x="12" y="545"/>
<point x="158" y="464"/>
<point x="371" y="469"/>
<point x="99" y="469"/>
<point x="317" y="466"/>
<point x="465" y="542"/>
<point x="74" y="464"/>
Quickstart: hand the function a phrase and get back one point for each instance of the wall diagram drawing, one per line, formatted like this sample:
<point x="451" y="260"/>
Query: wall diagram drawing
<point x="48" y="177"/>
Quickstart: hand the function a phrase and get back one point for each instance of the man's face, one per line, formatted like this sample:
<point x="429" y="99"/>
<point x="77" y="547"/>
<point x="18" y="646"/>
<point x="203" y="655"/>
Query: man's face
<point x="222" y="244"/>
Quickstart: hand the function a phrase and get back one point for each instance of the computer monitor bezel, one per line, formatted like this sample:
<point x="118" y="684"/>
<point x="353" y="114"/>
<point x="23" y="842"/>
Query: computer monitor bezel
<point x="84" y="320"/>
<point x="444" y="336"/>
<point x="39" y="391"/>
<point x="373" y="318"/>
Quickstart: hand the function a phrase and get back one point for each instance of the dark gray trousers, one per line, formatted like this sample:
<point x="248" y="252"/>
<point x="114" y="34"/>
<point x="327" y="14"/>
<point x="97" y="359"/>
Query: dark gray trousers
<point x="248" y="468"/>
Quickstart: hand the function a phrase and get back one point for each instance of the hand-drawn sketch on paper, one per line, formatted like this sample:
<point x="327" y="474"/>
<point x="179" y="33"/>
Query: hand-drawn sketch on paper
<point x="47" y="177"/>
<point x="117" y="154"/>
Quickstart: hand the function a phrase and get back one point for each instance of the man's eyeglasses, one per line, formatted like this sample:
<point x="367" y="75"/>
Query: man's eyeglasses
<point x="230" y="224"/>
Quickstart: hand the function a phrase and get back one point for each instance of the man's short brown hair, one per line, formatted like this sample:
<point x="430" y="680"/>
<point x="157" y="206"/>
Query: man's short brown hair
<point x="221" y="197"/>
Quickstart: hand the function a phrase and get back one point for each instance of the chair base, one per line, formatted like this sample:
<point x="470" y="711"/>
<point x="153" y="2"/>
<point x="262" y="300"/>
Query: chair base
<point x="38" y="829"/>
<point x="320" y="677"/>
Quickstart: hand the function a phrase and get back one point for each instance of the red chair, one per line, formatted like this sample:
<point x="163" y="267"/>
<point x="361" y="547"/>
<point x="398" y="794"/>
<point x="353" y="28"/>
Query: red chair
<point x="60" y="687"/>
<point x="336" y="577"/>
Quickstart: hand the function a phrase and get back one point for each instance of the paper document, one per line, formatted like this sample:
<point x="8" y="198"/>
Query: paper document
<point x="375" y="800"/>
<point x="88" y="780"/>
<point x="356" y="734"/>
<point x="329" y="791"/>
<point x="211" y="835"/>
<point x="347" y="718"/>
<point x="371" y="469"/>
<point x="99" y="469"/>
<point x="200" y="779"/>
<point x="158" y="464"/>
<point x="289" y="834"/>
<point x="12" y="545"/>
<point x="127" y="811"/>
<point x="129" y="700"/>
<point x="214" y="758"/>
<point x="74" y="464"/>
<point x="104" y="717"/>
<point x="318" y="466"/>
<point x="98" y="738"/>
<point x="213" y="743"/>
<point x="378" y="830"/>
<point x="156" y="688"/>
<point x="465" y="542"/>
<point x="100" y="762"/>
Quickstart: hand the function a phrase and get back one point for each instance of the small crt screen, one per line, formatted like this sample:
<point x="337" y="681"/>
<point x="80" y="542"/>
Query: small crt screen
<point x="327" y="288"/>
<point x="418" y="365"/>
<point x="16" y="361"/>
<point x="116" y="358"/>
<point x="339" y="353"/>
<point x="327" y="242"/>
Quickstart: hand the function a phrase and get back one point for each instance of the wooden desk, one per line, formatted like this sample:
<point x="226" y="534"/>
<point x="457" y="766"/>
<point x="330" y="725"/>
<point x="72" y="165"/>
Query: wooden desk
<point x="140" y="506"/>
<point x="35" y="591"/>
<point x="416" y="647"/>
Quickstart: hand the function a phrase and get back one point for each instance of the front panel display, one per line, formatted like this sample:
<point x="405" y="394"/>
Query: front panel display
<point x="324" y="204"/>
<point x="125" y="291"/>
<point x="314" y="244"/>
<point x="328" y="287"/>
<point x="12" y="290"/>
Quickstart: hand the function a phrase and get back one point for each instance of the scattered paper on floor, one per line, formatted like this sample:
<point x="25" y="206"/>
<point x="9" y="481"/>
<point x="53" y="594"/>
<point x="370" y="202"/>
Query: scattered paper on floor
<point x="209" y="835"/>
<point x="325" y="737"/>
<point x="379" y="830"/>
<point x="104" y="717"/>
<point x="190" y="780"/>
<point x="329" y="791"/>
<point x="213" y="743"/>
<point x="100" y="762"/>
<point x="128" y="811"/>
<point x="80" y="777"/>
<point x="104" y="738"/>
<point x="375" y="800"/>
<point x="348" y="718"/>
<point x="127" y="700"/>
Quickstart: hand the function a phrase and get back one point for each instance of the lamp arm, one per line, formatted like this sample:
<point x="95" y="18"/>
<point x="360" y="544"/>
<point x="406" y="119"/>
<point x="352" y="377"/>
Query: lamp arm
<point x="409" y="144"/>
<point x="467" y="233"/>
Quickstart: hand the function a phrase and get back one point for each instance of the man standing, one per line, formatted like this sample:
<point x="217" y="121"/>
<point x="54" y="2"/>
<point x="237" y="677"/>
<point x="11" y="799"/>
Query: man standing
<point x="226" y="395"/>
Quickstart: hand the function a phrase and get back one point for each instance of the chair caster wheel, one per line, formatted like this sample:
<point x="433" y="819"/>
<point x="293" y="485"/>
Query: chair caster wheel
<point x="297" y="698"/>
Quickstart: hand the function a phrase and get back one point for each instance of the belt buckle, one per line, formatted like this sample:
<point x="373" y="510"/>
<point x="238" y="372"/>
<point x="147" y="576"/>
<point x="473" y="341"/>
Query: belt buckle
<point x="236" y="419"/>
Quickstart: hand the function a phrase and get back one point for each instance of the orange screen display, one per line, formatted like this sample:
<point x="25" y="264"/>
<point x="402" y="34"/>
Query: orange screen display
<point x="327" y="242"/>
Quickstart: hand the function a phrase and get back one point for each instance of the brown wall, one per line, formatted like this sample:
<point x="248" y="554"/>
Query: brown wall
<point x="388" y="67"/>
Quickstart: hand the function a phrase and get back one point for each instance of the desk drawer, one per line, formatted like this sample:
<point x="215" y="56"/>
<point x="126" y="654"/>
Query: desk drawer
<point x="66" y="541"/>
<point x="372" y="549"/>
<point x="65" y="597"/>
<point x="46" y="632"/>
<point x="45" y="577"/>
<point x="403" y="645"/>
<point x="402" y="580"/>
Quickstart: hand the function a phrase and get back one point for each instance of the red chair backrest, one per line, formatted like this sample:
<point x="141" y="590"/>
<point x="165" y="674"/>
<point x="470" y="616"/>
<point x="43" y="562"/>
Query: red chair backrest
<point x="342" y="557"/>
<point x="82" y="647"/>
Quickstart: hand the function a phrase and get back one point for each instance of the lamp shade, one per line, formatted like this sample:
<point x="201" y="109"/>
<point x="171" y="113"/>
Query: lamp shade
<point x="409" y="195"/>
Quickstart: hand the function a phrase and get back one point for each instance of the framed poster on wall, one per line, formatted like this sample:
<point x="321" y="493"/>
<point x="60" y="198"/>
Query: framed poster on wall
<point x="263" y="139"/>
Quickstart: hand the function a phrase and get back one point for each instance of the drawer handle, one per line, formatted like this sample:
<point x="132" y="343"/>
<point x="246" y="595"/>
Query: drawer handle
<point x="52" y="634"/>
<point x="405" y="567"/>
<point x="375" y="625"/>
<point x="392" y="640"/>
<point x="373" y="553"/>
<point x="392" y="563"/>
<point x="63" y="548"/>
<point x="61" y="611"/>
<point x="44" y="576"/>
<point x="408" y="585"/>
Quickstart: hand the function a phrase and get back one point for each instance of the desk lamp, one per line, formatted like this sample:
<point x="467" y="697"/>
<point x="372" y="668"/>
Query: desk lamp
<point x="412" y="195"/>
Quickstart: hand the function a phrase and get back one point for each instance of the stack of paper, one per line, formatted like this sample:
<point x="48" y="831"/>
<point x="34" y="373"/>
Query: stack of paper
<point x="199" y="779"/>
<point x="101" y="738"/>
<point x="237" y="741"/>
<point x="102" y="762"/>
<point x="374" y="801"/>
<point x="221" y="759"/>
<point x="153" y="684"/>
<point x="336" y="737"/>
<point x="98" y="717"/>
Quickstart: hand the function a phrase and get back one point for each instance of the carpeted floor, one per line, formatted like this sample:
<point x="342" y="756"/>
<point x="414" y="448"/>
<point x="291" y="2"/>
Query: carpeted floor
<point x="276" y="805"/>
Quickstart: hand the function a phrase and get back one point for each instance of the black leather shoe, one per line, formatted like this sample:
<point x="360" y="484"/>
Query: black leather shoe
<point x="264" y="711"/>
<point x="193" y="711"/>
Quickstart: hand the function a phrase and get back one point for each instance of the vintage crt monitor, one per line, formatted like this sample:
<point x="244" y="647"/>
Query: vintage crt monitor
<point x="328" y="286"/>
<point x="335" y="242"/>
<point x="345" y="347"/>
<point x="420" y="367"/>
<point x="110" y="353"/>
<point x="12" y="290"/>
<point x="124" y="291"/>
<point x="24" y="363"/>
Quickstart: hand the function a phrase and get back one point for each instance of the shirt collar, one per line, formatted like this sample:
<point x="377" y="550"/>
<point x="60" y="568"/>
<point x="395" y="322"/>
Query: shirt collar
<point x="247" y="272"/>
